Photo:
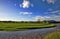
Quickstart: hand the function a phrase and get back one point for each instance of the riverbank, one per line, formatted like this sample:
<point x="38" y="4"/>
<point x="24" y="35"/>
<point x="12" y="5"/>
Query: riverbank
<point x="23" y="26"/>
<point x="53" y="35"/>
<point x="28" y="34"/>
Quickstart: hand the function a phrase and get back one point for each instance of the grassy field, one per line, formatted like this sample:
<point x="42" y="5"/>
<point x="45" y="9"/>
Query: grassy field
<point x="22" y="26"/>
<point x="54" y="35"/>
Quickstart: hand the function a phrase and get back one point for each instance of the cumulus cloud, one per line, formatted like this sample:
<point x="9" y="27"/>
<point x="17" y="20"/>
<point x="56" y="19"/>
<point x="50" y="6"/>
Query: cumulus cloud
<point x="50" y="1"/>
<point x="56" y="18"/>
<point x="25" y="13"/>
<point x="26" y="4"/>
<point x="41" y="18"/>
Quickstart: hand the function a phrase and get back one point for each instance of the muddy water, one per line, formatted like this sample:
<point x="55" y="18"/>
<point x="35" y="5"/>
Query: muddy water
<point x="28" y="34"/>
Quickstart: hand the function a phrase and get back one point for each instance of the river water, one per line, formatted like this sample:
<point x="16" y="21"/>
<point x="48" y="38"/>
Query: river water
<point x="28" y="34"/>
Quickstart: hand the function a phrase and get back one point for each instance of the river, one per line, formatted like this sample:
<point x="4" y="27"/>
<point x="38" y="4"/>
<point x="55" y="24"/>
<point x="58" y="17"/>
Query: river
<point x="28" y="34"/>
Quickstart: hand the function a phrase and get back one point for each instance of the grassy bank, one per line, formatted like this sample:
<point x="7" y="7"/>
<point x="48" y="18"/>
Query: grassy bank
<point x="23" y="26"/>
<point x="54" y="35"/>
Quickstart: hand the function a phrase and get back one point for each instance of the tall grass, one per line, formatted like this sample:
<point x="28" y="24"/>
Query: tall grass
<point x="54" y="35"/>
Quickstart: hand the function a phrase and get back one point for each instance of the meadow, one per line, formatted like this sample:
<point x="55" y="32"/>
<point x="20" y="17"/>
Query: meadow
<point x="10" y="26"/>
<point x="53" y="35"/>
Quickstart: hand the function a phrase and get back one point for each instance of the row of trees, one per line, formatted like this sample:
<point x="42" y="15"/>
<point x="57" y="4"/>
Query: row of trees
<point x="50" y="21"/>
<point x="23" y="21"/>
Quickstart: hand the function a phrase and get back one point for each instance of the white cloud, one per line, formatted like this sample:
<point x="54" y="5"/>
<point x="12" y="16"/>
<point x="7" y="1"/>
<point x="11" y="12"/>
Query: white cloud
<point x="8" y="19"/>
<point x="55" y="15"/>
<point x="26" y="13"/>
<point x="43" y="0"/>
<point x="26" y="4"/>
<point x="50" y="1"/>
<point x="50" y="9"/>
<point x="47" y="16"/>
<point x="15" y="4"/>
<point x="56" y="18"/>
<point x="57" y="11"/>
<point x="53" y="12"/>
<point x="42" y="18"/>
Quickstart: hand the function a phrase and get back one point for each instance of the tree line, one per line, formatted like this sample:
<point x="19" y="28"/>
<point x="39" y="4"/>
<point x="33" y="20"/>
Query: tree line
<point x="51" y="21"/>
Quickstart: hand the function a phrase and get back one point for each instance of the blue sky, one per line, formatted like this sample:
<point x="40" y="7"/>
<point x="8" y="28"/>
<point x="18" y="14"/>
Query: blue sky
<point x="29" y="10"/>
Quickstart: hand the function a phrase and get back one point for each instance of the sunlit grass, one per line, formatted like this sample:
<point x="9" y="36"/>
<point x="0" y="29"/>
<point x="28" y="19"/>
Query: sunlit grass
<point x="22" y="26"/>
<point x="54" y="35"/>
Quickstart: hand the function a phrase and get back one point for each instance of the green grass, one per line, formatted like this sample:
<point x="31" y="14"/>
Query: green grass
<point x="54" y="35"/>
<point x="22" y="26"/>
